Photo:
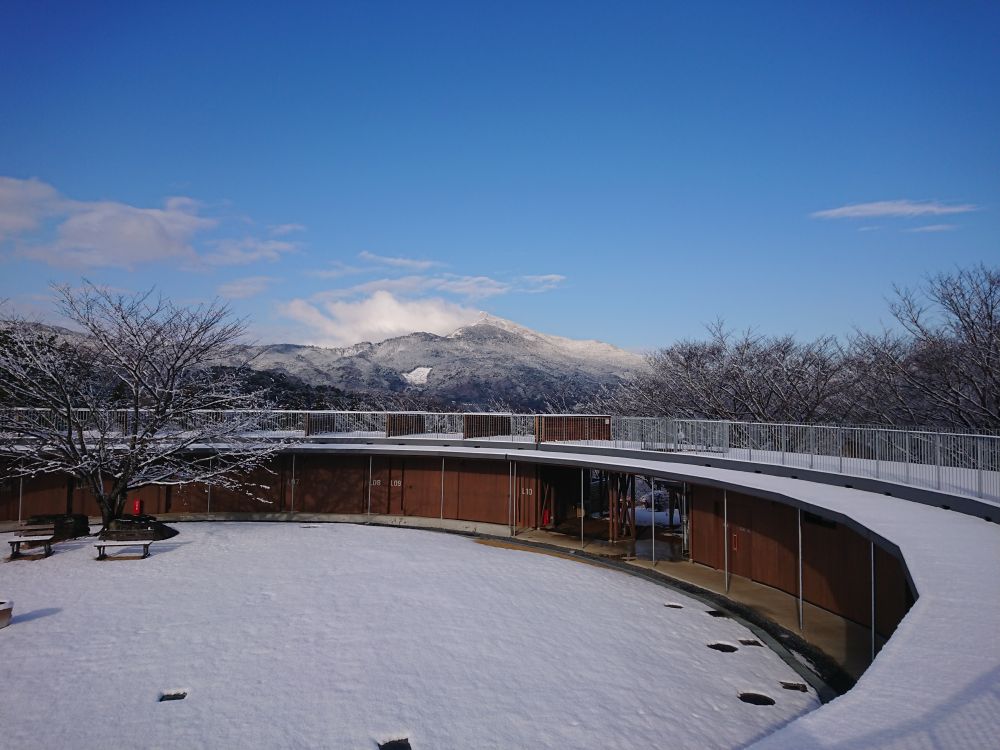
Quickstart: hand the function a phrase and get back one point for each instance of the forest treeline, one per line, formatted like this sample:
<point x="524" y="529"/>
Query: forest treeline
<point x="938" y="367"/>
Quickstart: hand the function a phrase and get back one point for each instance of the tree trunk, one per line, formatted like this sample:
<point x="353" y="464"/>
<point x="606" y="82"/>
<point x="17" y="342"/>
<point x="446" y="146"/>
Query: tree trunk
<point x="112" y="507"/>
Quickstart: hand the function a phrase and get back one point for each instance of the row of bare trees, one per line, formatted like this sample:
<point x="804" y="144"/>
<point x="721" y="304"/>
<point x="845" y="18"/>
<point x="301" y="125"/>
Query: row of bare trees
<point x="938" y="367"/>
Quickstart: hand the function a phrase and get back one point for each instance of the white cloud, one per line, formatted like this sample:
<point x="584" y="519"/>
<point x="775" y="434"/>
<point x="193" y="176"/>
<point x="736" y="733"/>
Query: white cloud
<point x="374" y="318"/>
<point x="934" y="228"/>
<point x="24" y="203"/>
<point x="336" y="270"/>
<point x="233" y="252"/>
<point x="249" y="286"/>
<point x="471" y="287"/>
<point x="405" y="285"/>
<point x="543" y="283"/>
<point x="281" y="230"/>
<point x="408" y="263"/>
<point x="115" y="234"/>
<point x="894" y="209"/>
<point x="59" y="231"/>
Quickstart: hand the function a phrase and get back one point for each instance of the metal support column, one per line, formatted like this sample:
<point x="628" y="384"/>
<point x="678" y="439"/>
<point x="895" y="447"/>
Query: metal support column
<point x="510" y="495"/>
<point x="516" y="498"/>
<point x="872" y="549"/>
<point x="685" y="520"/>
<point x="582" y="508"/>
<point x="369" y="485"/>
<point x="442" y="488"/>
<point x="20" y="497"/>
<point x="292" y="509"/>
<point x="652" y="500"/>
<point x="725" y="537"/>
<point x="801" y="613"/>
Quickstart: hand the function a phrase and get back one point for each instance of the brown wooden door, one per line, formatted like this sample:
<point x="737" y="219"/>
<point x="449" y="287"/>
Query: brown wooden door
<point x="526" y="492"/>
<point x="740" y="539"/>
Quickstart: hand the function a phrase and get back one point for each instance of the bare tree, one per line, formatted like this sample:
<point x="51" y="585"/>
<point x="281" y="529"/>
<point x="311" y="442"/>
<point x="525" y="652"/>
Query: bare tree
<point x="130" y="401"/>
<point x="740" y="377"/>
<point x="943" y="367"/>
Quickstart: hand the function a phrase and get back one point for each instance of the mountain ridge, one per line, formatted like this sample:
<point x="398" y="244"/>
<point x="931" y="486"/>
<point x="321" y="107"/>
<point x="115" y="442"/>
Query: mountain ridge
<point x="492" y="360"/>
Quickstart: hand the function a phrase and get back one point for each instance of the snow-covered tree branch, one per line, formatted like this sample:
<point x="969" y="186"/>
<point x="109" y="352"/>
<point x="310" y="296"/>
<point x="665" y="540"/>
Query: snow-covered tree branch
<point x="130" y="399"/>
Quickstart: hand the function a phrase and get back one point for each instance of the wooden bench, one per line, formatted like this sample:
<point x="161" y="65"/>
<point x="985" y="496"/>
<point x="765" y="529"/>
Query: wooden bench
<point x="16" y="542"/>
<point x="101" y="545"/>
<point x="45" y="529"/>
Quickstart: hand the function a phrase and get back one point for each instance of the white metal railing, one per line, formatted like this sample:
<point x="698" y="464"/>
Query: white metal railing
<point x="951" y="462"/>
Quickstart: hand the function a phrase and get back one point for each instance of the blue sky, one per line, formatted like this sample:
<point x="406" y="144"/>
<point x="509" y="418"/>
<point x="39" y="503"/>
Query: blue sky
<point x="619" y="171"/>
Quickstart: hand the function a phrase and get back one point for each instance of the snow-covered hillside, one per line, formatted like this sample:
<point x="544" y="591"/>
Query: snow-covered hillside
<point x="494" y="359"/>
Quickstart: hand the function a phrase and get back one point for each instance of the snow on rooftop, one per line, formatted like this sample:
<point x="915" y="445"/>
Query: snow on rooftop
<point x="343" y="636"/>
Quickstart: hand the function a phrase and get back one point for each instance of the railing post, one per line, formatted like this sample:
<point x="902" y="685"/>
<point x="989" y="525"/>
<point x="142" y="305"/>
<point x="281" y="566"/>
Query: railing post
<point x="937" y="459"/>
<point x="812" y="445"/>
<point x="878" y="463"/>
<point x="907" y="447"/>
<point x="784" y="442"/>
<point x="979" y="465"/>
<point x="840" y="448"/>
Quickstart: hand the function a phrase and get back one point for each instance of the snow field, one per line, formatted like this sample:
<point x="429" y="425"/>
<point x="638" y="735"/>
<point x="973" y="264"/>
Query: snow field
<point x="345" y="636"/>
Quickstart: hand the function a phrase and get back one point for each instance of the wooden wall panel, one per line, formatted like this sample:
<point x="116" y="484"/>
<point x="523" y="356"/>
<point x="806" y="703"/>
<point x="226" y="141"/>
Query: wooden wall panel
<point x="483" y="491"/>
<point x="152" y="498"/>
<point x="452" y="473"/>
<point x="775" y="545"/>
<point x="485" y="425"/>
<point x="381" y="469"/>
<point x="264" y="493"/>
<point x="706" y="526"/>
<point x="556" y="427"/>
<point x="404" y="424"/>
<point x="9" y="498"/>
<point x="188" y="498"/>
<point x="45" y="494"/>
<point x="892" y="593"/>
<point x="422" y="487"/>
<point x="836" y="569"/>
<point x="331" y="484"/>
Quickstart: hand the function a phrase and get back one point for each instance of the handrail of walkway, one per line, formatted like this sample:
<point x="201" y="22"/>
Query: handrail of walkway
<point x="958" y="463"/>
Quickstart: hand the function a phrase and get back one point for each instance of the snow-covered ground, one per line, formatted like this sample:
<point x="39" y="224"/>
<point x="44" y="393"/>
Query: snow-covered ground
<point x="344" y="636"/>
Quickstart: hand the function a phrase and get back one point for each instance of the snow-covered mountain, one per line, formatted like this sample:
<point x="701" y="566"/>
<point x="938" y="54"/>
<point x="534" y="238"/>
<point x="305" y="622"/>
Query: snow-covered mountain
<point x="492" y="360"/>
